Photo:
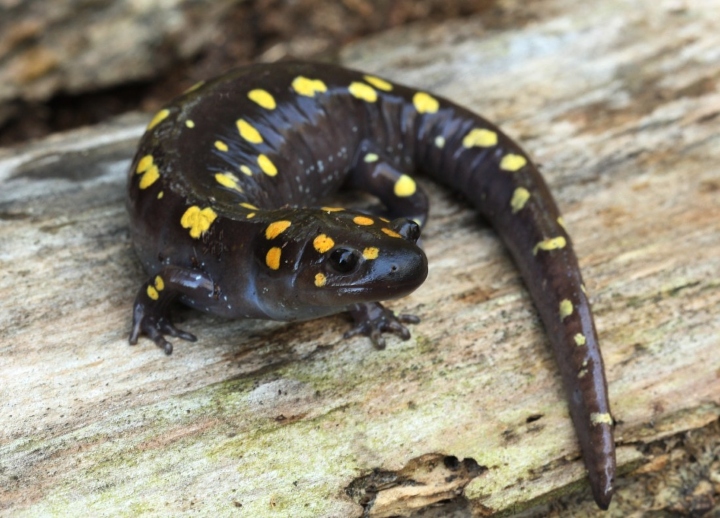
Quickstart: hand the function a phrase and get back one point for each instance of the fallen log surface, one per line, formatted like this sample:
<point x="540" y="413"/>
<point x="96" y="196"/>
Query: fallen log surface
<point x="618" y="102"/>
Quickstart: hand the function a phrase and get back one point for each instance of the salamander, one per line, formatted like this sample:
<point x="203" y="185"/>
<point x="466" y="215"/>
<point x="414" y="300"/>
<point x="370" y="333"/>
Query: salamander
<point x="226" y="206"/>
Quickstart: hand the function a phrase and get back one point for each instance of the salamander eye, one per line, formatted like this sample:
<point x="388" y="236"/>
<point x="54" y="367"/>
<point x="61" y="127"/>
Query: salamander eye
<point x="343" y="260"/>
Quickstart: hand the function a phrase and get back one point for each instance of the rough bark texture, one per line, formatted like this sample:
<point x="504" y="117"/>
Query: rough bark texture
<point x="619" y="103"/>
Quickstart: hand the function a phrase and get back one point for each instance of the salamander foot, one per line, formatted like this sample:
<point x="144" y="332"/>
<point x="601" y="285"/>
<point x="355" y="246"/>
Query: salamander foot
<point x="156" y="328"/>
<point x="372" y="319"/>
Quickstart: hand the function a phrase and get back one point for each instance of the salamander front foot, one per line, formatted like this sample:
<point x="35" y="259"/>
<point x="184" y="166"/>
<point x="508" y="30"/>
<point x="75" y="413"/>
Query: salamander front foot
<point x="156" y="328"/>
<point x="152" y="304"/>
<point x="151" y="312"/>
<point x="372" y="319"/>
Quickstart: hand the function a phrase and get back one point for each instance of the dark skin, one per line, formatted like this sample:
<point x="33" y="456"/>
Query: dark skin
<point x="225" y="200"/>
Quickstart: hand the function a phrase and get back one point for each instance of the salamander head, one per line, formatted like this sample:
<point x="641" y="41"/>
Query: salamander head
<point x="318" y="262"/>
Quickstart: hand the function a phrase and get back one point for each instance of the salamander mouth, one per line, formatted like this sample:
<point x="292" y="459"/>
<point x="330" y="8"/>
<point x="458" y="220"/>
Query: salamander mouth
<point x="384" y="290"/>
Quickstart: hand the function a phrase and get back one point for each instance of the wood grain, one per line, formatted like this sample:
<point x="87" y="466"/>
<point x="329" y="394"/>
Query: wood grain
<point x="617" y="101"/>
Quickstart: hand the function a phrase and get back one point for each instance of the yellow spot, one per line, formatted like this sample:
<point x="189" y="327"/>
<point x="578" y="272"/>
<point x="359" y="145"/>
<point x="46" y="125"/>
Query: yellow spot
<point x="144" y="164"/>
<point x="440" y="141"/>
<point x="512" y="162"/>
<point x="363" y="220"/>
<point x="320" y="280"/>
<point x="266" y="165"/>
<point x="308" y="87"/>
<point x="245" y="170"/>
<point x="519" y="199"/>
<point x="194" y="87"/>
<point x="363" y="91"/>
<point x="248" y="206"/>
<point x="582" y="373"/>
<point x="159" y="283"/>
<point x="331" y="209"/>
<point x="272" y="259"/>
<point x="228" y="180"/>
<point x="159" y="117"/>
<point x="552" y="243"/>
<point x="248" y="132"/>
<point x="580" y="339"/>
<point x="190" y="124"/>
<point x="276" y="228"/>
<point x="370" y="253"/>
<point x="323" y="243"/>
<point x="152" y="293"/>
<point x="425" y="103"/>
<point x="390" y="233"/>
<point x="480" y="137"/>
<point x="250" y="215"/>
<point x="160" y="195"/>
<point x="370" y="158"/>
<point x="566" y="309"/>
<point x="561" y="222"/>
<point x="378" y="83"/>
<point x="220" y="145"/>
<point x="263" y="98"/>
<point x="149" y="177"/>
<point x="597" y="418"/>
<point x="197" y="220"/>
<point x="405" y="186"/>
<point x="383" y="219"/>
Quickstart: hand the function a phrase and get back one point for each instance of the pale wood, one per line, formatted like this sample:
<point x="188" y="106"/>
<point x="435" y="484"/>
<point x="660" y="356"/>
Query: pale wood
<point x="618" y="102"/>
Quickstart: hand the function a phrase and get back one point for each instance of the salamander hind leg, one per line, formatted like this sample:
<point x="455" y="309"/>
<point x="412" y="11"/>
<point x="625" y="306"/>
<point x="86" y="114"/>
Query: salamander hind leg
<point x="372" y="319"/>
<point x="152" y="304"/>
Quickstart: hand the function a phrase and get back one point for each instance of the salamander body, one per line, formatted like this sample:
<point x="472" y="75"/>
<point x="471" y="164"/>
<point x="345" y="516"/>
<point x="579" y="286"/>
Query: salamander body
<point x="226" y="206"/>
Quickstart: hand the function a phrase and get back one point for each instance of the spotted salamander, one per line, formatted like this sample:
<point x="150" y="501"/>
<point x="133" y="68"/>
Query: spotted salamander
<point x="226" y="206"/>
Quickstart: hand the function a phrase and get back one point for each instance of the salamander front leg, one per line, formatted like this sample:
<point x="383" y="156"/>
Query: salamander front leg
<point x="152" y="305"/>
<point x="372" y="319"/>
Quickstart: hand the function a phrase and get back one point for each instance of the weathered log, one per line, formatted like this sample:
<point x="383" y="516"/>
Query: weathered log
<point x="617" y="101"/>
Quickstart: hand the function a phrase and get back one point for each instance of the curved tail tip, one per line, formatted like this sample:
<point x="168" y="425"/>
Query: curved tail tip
<point x="601" y="470"/>
<point x="603" y="496"/>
